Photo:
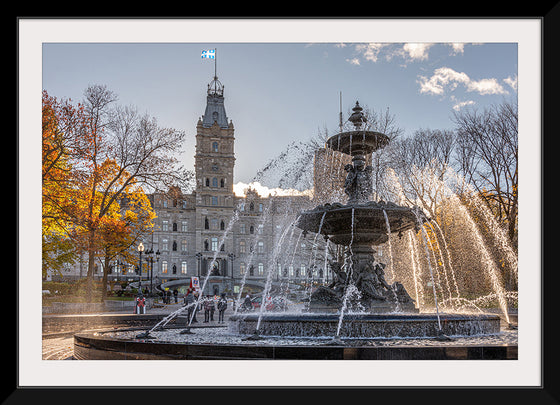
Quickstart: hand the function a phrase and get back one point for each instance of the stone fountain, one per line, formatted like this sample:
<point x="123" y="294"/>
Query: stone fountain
<point x="359" y="225"/>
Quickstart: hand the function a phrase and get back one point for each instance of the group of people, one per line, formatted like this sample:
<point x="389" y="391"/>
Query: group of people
<point x="209" y="304"/>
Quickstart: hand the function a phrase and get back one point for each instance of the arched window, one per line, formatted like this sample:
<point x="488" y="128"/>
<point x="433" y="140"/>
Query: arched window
<point x="214" y="146"/>
<point x="222" y="225"/>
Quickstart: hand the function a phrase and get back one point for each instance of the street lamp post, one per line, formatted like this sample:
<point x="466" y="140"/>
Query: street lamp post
<point x="140" y="250"/>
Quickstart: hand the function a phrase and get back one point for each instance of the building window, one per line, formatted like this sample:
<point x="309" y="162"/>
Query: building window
<point x="214" y="146"/>
<point x="164" y="203"/>
<point x="174" y="245"/>
<point x="183" y="267"/>
<point x="302" y="270"/>
<point x="214" y="200"/>
<point x="261" y="269"/>
<point x="206" y="246"/>
<point x="214" y="244"/>
<point x="184" y="246"/>
<point x="260" y="247"/>
<point x="242" y="228"/>
<point x="164" y="267"/>
<point x="214" y="182"/>
<point x="165" y="226"/>
<point x="222" y="183"/>
<point x="184" y="226"/>
<point x="291" y="271"/>
<point x="214" y="223"/>
<point x="242" y="246"/>
<point x="207" y="182"/>
<point x="242" y="268"/>
<point x="222" y="225"/>
<point x="164" y="244"/>
<point x="251" y="229"/>
<point x="206" y="223"/>
<point x="174" y="226"/>
<point x="251" y="271"/>
<point x="260" y="207"/>
<point x="184" y="203"/>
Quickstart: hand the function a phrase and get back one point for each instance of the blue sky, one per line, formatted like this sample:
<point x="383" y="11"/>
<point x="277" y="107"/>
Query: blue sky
<point x="276" y="93"/>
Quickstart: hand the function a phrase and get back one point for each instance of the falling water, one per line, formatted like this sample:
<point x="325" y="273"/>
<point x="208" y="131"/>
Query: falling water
<point x="415" y="269"/>
<point x="488" y="262"/>
<point x="349" y="280"/>
<point x="314" y="255"/>
<point x="270" y="272"/>
<point x="392" y="276"/>
<point x="448" y="256"/>
<point x="251" y="255"/>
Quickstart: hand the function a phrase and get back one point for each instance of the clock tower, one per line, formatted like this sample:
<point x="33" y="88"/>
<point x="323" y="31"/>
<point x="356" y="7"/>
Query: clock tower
<point x="214" y="163"/>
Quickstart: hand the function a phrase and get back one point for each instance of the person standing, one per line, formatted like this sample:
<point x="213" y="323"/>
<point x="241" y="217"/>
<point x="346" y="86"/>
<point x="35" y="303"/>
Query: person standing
<point x="222" y="306"/>
<point x="206" y="305"/>
<point x="212" y="307"/>
<point x="175" y="294"/>
<point x="190" y="303"/>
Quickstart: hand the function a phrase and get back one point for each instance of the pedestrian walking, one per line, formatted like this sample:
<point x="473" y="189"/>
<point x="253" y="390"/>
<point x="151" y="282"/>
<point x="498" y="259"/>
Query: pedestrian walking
<point x="175" y="295"/>
<point x="222" y="306"/>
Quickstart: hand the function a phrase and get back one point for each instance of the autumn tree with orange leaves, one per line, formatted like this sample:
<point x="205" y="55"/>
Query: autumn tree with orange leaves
<point x="109" y="154"/>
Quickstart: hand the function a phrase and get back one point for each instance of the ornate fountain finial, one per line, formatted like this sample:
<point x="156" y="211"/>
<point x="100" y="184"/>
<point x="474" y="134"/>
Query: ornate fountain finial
<point x="357" y="118"/>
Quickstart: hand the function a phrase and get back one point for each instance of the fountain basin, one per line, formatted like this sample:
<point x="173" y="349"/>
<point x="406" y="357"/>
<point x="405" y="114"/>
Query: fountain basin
<point x="370" y="226"/>
<point x="358" y="142"/>
<point x="365" y="326"/>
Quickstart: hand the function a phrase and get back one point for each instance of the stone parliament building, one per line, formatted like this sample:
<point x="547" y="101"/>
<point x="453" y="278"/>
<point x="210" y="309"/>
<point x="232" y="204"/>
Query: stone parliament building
<point x="213" y="230"/>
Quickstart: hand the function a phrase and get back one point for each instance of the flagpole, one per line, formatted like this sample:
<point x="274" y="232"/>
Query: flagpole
<point x="215" y="63"/>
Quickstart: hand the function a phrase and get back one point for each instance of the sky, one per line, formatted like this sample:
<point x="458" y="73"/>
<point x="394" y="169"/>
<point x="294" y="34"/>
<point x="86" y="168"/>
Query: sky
<point x="278" y="93"/>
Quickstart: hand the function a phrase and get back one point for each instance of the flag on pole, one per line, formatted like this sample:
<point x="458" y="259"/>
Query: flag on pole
<point x="209" y="54"/>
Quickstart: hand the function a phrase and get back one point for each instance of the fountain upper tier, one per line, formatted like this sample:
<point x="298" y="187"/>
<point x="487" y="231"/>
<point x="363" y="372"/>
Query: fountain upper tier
<point x="358" y="142"/>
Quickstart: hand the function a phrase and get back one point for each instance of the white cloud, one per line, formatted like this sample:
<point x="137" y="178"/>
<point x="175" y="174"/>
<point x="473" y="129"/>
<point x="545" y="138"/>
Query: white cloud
<point x="417" y="51"/>
<point x="486" y="86"/>
<point x="240" y="190"/>
<point x="447" y="79"/>
<point x="353" y="61"/>
<point x="512" y="81"/>
<point x="458" y="48"/>
<point x="461" y="104"/>
<point x="370" y="51"/>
